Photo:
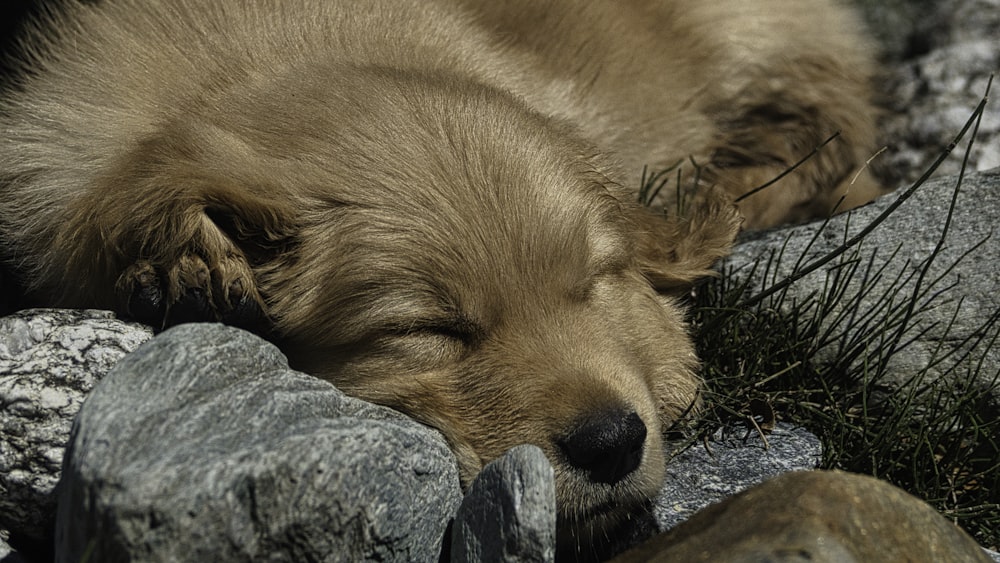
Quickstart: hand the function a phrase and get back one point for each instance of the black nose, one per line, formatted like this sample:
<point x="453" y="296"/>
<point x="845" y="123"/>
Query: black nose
<point x="607" y="446"/>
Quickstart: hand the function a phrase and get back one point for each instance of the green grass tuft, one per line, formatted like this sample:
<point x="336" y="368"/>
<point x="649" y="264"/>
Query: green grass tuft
<point x="821" y="361"/>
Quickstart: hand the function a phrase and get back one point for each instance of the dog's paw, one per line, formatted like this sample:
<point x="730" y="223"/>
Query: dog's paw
<point x="193" y="289"/>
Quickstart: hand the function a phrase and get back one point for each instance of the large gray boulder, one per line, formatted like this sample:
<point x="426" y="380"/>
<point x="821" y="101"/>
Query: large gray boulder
<point x="49" y="361"/>
<point x="204" y="446"/>
<point x="947" y="274"/>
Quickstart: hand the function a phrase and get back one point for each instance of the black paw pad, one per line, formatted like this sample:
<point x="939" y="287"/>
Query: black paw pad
<point x="192" y="306"/>
<point x="247" y="314"/>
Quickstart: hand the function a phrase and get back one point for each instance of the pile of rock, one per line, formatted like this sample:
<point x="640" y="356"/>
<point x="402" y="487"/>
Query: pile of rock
<point x="204" y="445"/>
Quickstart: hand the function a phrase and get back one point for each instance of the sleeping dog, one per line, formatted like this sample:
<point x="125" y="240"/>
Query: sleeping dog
<point x="431" y="203"/>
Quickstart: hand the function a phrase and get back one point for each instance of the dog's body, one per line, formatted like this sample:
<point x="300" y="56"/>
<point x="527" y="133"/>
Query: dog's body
<point x="421" y="200"/>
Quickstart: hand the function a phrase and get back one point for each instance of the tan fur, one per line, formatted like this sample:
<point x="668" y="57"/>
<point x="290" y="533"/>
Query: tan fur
<point x="432" y="200"/>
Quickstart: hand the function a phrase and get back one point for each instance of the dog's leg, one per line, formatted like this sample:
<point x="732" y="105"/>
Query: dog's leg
<point x="206" y="276"/>
<point x="166" y="242"/>
<point x="804" y="112"/>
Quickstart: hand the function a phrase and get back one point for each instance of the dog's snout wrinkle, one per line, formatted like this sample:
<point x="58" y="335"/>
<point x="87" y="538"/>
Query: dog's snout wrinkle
<point x="607" y="446"/>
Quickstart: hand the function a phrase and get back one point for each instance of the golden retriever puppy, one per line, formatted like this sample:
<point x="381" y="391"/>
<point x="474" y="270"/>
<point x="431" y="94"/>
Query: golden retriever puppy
<point x="430" y="202"/>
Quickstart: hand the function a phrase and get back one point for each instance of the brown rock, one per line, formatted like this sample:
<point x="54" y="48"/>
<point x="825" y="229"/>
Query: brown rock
<point x="815" y="516"/>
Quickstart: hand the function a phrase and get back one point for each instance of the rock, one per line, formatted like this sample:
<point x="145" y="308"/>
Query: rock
<point x="509" y="512"/>
<point x="815" y="516"/>
<point x="49" y="361"/>
<point x="931" y="90"/>
<point x="734" y="459"/>
<point x="204" y="446"/>
<point x="901" y="26"/>
<point x="957" y="297"/>
<point x="7" y="554"/>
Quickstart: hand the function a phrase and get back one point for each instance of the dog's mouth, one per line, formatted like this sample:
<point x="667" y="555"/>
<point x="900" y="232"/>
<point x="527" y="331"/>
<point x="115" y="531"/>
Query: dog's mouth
<point x="601" y="531"/>
<point x="601" y="520"/>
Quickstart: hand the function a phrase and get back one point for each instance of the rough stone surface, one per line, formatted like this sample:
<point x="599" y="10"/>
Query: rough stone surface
<point x="734" y="459"/>
<point x="204" y="446"/>
<point x="956" y="297"/>
<point x="49" y="361"/>
<point x="901" y="26"/>
<point x="7" y="554"/>
<point x="819" y="517"/>
<point x="509" y="512"/>
<point x="940" y="58"/>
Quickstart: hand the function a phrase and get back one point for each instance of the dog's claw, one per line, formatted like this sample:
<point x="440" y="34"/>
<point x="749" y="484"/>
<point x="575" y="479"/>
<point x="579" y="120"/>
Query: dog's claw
<point x="190" y="291"/>
<point x="243" y="311"/>
<point x="146" y="302"/>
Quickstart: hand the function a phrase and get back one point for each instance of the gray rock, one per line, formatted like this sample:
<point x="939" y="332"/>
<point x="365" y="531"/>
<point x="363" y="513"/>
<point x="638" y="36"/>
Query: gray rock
<point x="8" y="555"/>
<point x="509" y="513"/>
<point x="956" y="298"/>
<point x="901" y="26"/>
<point x="931" y="94"/>
<point x="204" y="446"/>
<point x="734" y="459"/>
<point x="49" y="361"/>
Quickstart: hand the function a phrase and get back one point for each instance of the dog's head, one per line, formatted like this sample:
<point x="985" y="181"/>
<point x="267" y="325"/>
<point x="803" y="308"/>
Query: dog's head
<point x="474" y="265"/>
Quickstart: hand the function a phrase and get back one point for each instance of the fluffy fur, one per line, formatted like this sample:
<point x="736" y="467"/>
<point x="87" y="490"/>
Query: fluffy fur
<point x="422" y="200"/>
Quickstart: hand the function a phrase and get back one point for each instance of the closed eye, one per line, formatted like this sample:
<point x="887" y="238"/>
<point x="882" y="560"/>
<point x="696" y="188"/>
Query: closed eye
<point x="455" y="331"/>
<point x="461" y="329"/>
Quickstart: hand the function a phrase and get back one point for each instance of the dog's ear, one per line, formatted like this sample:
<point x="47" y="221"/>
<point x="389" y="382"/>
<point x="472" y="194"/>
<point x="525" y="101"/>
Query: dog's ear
<point x="675" y="252"/>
